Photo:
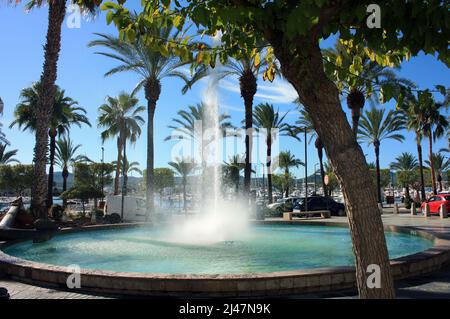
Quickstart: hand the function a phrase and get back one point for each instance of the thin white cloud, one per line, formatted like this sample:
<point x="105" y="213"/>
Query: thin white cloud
<point x="280" y="91"/>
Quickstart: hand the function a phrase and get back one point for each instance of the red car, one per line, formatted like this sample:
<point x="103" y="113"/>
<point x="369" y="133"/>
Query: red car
<point x="435" y="203"/>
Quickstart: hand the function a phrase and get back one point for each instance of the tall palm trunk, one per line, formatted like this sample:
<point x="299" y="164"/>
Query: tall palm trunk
<point x="407" y="196"/>
<point x="377" y="160"/>
<point x="286" y="178"/>
<point x="119" y="162"/>
<point x="124" y="158"/>
<point x="152" y="92"/>
<point x="124" y="169"/>
<point x="356" y="114"/>
<point x="269" y="165"/>
<point x="422" y="179"/>
<point x="430" y="149"/>
<point x="57" y="11"/>
<point x="248" y="87"/>
<point x="184" y="195"/>
<point x="320" y="97"/>
<point x="52" y="134"/>
<point x="65" y="175"/>
<point x="319" y="146"/>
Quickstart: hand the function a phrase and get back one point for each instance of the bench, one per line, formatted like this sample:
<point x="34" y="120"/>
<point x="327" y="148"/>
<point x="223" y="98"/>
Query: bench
<point x="323" y="213"/>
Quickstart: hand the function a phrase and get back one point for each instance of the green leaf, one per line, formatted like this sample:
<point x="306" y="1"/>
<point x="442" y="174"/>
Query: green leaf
<point x="441" y="89"/>
<point x="109" y="17"/>
<point x="257" y="60"/>
<point x="163" y="49"/>
<point x="176" y="21"/>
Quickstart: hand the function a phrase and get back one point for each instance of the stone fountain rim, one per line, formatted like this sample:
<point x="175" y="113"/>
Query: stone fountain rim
<point x="248" y="284"/>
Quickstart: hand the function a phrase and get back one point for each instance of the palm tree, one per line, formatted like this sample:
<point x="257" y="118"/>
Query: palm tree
<point x="151" y="66"/>
<point x="434" y="125"/>
<point x="265" y="117"/>
<point x="47" y="94"/>
<point x="286" y="160"/>
<point x="120" y="118"/>
<point x="183" y="167"/>
<point x="130" y="168"/>
<point x="305" y="122"/>
<point x="376" y="127"/>
<point x="246" y="69"/>
<point x="65" y="112"/>
<point x="233" y="168"/>
<point x="405" y="165"/>
<point x="3" y="136"/>
<point x="7" y="157"/>
<point x="185" y="127"/>
<point x="367" y="85"/>
<point x="415" y="115"/>
<point x="441" y="164"/>
<point x="65" y="156"/>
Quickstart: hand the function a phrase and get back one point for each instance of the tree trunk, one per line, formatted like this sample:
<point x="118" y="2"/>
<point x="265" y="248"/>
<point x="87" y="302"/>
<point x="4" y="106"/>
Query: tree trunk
<point x="57" y="11"/>
<point x="302" y="64"/>
<point x="422" y="179"/>
<point x="152" y="92"/>
<point x="407" y="196"/>
<point x="269" y="166"/>
<point x="184" y="196"/>
<point x="65" y="175"/>
<point x="433" y="176"/>
<point x="119" y="162"/>
<point x="52" y="134"/>
<point x="124" y="168"/>
<point x="286" y="176"/>
<point x="248" y="87"/>
<point x="123" y="138"/>
<point x="377" y="162"/>
<point x="356" y="114"/>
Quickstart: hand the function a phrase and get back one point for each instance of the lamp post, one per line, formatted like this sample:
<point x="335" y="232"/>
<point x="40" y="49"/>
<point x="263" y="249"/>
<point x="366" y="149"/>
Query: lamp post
<point x="306" y="169"/>
<point x="103" y="172"/>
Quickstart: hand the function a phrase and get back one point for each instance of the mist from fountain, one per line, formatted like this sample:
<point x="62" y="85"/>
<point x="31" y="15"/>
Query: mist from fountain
<point x="218" y="219"/>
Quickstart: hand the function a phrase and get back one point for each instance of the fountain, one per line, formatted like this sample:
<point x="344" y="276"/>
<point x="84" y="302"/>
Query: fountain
<point x="216" y="252"/>
<point x="219" y="220"/>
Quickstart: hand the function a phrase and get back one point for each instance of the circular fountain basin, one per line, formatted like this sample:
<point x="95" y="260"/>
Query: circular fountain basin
<point x="268" y="259"/>
<point x="265" y="248"/>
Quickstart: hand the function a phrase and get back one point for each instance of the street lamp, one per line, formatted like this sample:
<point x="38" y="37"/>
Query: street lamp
<point x="306" y="169"/>
<point x="103" y="172"/>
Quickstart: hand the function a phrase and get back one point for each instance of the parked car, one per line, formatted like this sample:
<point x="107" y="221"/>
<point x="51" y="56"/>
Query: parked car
<point x="284" y="204"/>
<point x="436" y="201"/>
<point x="316" y="203"/>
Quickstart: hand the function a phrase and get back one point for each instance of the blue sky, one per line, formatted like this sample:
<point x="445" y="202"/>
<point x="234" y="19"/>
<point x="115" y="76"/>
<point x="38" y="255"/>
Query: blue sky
<point x="81" y="72"/>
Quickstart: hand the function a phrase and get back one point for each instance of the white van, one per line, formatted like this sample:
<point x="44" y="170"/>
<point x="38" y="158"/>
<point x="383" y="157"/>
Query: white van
<point x="133" y="208"/>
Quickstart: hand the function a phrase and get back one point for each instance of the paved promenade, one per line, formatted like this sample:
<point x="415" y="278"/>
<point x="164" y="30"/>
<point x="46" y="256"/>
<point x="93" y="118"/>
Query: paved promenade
<point x="436" y="285"/>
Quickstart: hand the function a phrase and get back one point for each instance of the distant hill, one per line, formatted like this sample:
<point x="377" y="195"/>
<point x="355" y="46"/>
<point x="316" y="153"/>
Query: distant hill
<point x="58" y="180"/>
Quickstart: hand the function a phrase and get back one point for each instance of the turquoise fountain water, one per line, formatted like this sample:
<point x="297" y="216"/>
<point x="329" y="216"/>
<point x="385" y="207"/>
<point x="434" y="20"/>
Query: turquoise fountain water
<point x="259" y="249"/>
